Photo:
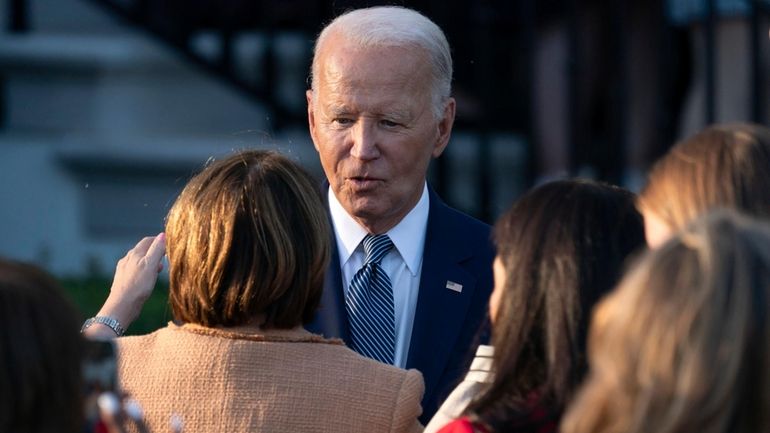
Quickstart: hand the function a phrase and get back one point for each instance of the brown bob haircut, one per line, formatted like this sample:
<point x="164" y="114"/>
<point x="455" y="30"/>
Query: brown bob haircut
<point x="40" y="354"/>
<point x="723" y="166"/>
<point x="248" y="238"/>
<point x="683" y="344"/>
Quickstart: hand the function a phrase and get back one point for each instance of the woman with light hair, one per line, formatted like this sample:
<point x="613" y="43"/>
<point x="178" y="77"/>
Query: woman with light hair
<point x="683" y="344"/>
<point x="248" y="246"/>
<point x="723" y="166"/>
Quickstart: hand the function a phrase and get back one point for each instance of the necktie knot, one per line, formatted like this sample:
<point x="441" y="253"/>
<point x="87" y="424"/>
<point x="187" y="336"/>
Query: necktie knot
<point x="376" y="247"/>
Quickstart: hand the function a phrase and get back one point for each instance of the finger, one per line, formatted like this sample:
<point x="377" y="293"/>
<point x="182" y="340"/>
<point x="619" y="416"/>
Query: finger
<point x="143" y="245"/>
<point x="155" y="251"/>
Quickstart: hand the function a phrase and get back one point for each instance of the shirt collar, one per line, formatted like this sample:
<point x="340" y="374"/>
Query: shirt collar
<point x="349" y="233"/>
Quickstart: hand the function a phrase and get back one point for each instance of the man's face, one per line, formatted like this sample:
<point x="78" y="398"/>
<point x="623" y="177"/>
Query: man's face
<point x="372" y="124"/>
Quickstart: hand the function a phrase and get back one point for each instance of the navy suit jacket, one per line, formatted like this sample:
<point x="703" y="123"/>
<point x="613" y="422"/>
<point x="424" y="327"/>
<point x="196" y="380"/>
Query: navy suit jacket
<point x="448" y="325"/>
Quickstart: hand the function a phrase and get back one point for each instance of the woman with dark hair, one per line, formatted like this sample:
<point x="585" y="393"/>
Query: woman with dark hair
<point x="40" y="354"/>
<point x="248" y="243"/>
<point x="559" y="249"/>
<point x="51" y="379"/>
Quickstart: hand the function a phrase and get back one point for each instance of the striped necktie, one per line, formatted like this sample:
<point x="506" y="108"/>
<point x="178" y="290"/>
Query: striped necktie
<point x="369" y="304"/>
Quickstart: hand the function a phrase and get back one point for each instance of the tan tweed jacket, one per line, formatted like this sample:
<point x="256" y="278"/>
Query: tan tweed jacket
<point x="277" y="381"/>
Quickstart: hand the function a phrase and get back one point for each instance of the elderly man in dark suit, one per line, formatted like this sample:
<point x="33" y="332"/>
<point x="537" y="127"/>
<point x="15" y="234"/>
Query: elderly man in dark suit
<point x="410" y="277"/>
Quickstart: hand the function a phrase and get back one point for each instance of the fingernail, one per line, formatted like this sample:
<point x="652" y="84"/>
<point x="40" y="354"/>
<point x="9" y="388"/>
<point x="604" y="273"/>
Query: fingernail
<point x="108" y="403"/>
<point x="134" y="410"/>
<point x="162" y="236"/>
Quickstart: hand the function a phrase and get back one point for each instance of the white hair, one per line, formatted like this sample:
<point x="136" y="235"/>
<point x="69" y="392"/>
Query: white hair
<point x="395" y="26"/>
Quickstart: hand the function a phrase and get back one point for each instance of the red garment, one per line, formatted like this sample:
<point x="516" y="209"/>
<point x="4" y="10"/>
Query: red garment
<point x="539" y="420"/>
<point x="462" y="425"/>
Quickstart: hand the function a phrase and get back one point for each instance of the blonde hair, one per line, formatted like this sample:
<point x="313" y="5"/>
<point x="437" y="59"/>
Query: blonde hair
<point x="683" y="344"/>
<point x="248" y="236"/>
<point x="723" y="166"/>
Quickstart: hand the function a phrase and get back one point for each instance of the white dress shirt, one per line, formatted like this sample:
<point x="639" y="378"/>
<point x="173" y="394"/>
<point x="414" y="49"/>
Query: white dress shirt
<point x="403" y="263"/>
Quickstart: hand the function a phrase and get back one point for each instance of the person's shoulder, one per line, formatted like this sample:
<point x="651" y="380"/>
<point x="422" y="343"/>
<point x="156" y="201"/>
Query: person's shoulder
<point x="384" y="394"/>
<point x="468" y="222"/>
<point x="130" y="340"/>
<point x="137" y="353"/>
<point x="351" y="361"/>
<point x="351" y="370"/>
<point x="468" y="238"/>
<point x="141" y="345"/>
<point x="449" y="217"/>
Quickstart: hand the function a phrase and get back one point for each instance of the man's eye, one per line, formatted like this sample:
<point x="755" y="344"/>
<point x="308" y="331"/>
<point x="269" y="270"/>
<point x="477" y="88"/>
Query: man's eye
<point x="342" y="121"/>
<point x="388" y="123"/>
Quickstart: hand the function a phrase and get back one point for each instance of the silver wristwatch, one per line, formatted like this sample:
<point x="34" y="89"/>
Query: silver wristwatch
<point x="104" y="320"/>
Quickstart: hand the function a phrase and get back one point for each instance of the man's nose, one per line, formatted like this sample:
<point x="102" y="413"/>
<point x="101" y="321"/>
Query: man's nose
<point x="364" y="137"/>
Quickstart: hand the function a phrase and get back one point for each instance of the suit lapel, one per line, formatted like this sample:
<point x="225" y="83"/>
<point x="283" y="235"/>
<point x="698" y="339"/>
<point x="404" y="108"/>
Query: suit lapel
<point x="334" y="316"/>
<point x="331" y="319"/>
<point x="440" y="310"/>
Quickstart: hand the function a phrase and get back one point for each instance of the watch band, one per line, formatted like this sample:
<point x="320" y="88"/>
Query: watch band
<point x="112" y="323"/>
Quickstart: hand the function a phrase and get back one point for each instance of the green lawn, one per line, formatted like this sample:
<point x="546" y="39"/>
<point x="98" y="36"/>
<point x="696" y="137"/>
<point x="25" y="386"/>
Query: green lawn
<point x="89" y="293"/>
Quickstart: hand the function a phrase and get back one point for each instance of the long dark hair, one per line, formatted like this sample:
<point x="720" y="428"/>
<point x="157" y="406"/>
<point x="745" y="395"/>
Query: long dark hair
<point x="562" y="245"/>
<point x="40" y="353"/>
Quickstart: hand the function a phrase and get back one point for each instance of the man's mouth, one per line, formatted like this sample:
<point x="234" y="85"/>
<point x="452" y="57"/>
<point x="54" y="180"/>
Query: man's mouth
<point x="363" y="181"/>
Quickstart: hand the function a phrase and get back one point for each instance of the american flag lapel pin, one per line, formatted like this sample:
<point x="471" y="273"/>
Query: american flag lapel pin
<point x="457" y="287"/>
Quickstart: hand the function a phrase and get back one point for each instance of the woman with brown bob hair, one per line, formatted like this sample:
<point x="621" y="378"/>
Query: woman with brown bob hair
<point x="559" y="249"/>
<point x="723" y="166"/>
<point x="248" y="243"/>
<point x="683" y="344"/>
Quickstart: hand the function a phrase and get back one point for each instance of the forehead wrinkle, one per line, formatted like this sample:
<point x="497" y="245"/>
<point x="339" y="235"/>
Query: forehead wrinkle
<point x="341" y="103"/>
<point x="343" y="90"/>
<point x="336" y="68"/>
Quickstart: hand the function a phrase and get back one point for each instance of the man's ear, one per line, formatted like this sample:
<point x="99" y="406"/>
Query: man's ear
<point x="445" y="127"/>
<point x="311" y="117"/>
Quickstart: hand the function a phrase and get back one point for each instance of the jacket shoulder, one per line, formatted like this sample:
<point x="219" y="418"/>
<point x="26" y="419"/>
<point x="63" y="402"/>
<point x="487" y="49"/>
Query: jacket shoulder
<point x="473" y="236"/>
